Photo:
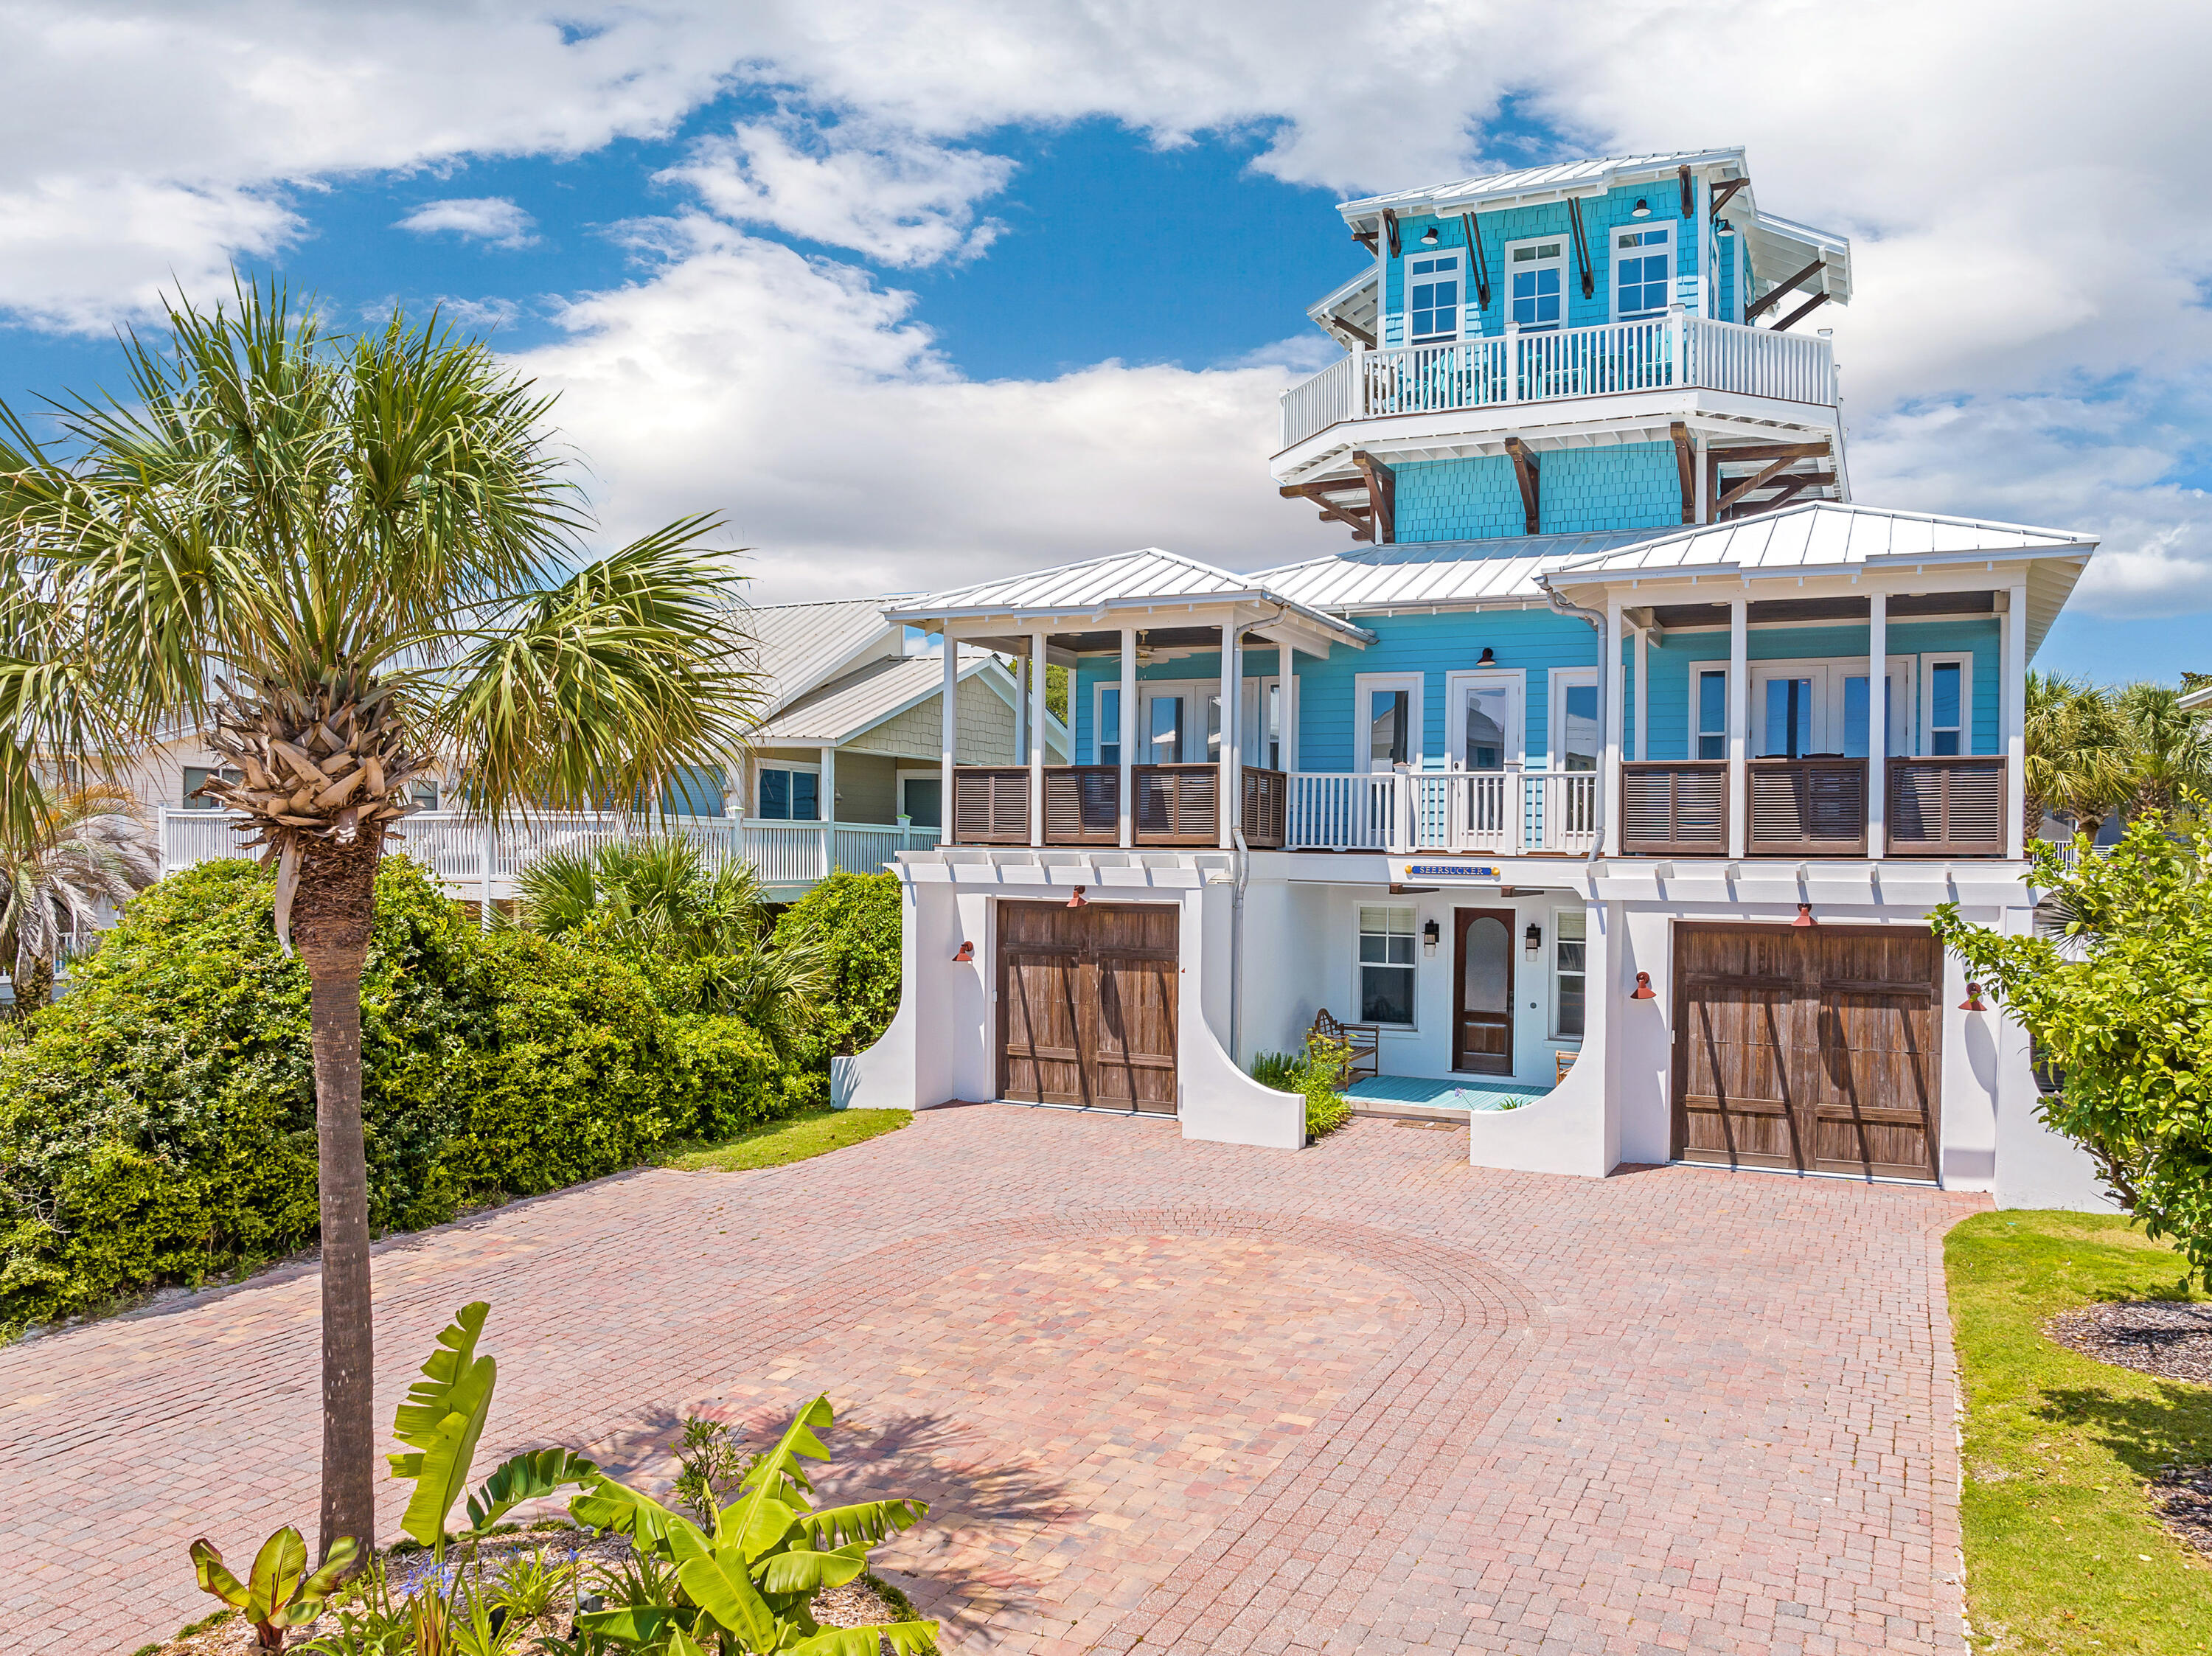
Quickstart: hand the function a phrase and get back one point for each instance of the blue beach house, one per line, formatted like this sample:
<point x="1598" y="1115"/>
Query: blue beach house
<point x="1608" y="774"/>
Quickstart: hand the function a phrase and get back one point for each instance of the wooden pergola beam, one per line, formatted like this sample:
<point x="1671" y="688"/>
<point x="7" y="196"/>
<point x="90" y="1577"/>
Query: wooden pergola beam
<point x="1775" y="294"/>
<point x="1769" y="452"/>
<point x="1799" y="314"/>
<point x="1758" y="479"/>
<point x="1525" y="473"/>
<point x="1686" y="463"/>
<point x="1354" y="330"/>
<point x="1381" y="496"/>
<point x="1332" y="511"/>
<point x="1792" y="486"/>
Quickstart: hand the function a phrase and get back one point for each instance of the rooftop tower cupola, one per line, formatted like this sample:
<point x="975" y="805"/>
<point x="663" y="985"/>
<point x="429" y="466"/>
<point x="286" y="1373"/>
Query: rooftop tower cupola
<point x="1593" y="346"/>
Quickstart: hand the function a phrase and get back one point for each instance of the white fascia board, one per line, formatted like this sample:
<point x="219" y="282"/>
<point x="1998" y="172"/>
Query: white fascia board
<point x="1439" y="198"/>
<point x="1326" y="304"/>
<point x="1199" y="609"/>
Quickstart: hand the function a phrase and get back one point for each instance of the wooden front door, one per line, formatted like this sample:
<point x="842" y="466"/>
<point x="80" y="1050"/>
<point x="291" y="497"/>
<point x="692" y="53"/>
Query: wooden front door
<point x="1816" y="1048"/>
<point x="1482" y="991"/>
<point x="1087" y="1005"/>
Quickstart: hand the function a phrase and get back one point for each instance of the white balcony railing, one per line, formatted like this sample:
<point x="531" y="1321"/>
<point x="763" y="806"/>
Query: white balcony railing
<point x="454" y="847"/>
<point x="1488" y="813"/>
<point x="1678" y="349"/>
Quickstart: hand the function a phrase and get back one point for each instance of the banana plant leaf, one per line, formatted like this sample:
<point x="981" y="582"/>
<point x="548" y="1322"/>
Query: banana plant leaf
<point x="907" y="1638"/>
<point x="429" y="1400"/>
<point x="807" y="1573"/>
<point x="530" y="1476"/>
<point x="715" y="1579"/>
<point x="776" y="1477"/>
<point x="607" y="1505"/>
<point x="278" y="1570"/>
<point x="639" y="1624"/>
<point x="443" y="1417"/>
<point x="835" y="1527"/>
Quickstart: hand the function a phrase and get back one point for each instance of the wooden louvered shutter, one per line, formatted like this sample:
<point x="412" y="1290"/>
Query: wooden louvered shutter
<point x="990" y="805"/>
<point x="1948" y="807"/>
<point x="1665" y="809"/>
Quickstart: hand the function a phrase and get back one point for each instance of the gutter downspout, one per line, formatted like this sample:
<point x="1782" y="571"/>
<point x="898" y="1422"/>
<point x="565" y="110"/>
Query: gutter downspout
<point x="1605" y="668"/>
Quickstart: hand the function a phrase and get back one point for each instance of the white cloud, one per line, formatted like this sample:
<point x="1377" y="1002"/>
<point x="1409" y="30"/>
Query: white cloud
<point x="898" y="200"/>
<point x="492" y="219"/>
<point x="805" y="404"/>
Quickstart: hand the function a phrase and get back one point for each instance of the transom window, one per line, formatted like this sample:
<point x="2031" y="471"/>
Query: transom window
<point x="1388" y="943"/>
<point x="1643" y="270"/>
<point x="1433" y="295"/>
<point x="1536" y="278"/>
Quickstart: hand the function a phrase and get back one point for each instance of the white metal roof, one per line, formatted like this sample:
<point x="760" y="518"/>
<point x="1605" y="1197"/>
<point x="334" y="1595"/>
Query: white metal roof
<point x="876" y="692"/>
<point x="1442" y="573"/>
<point x="1584" y="178"/>
<point x="1125" y="580"/>
<point x="799" y="645"/>
<point x="1781" y="247"/>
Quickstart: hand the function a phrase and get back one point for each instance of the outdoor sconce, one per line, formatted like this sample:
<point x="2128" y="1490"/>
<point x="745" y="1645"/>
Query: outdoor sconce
<point x="1431" y="935"/>
<point x="1644" y="989"/>
<point x="1079" y="901"/>
<point x="1429" y="237"/>
<point x="966" y="952"/>
<point x="1804" y="915"/>
<point x="1487" y="659"/>
<point x="1974" y="1000"/>
<point x="1641" y="211"/>
<point x="1532" y="939"/>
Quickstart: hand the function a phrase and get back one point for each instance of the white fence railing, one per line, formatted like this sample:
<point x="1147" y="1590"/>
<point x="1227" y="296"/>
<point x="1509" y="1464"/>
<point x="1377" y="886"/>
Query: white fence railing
<point x="455" y="847"/>
<point x="1517" y="366"/>
<point x="1494" y="813"/>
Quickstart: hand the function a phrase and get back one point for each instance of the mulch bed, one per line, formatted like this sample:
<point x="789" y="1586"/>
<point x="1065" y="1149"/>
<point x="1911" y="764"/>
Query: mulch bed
<point x="853" y="1605"/>
<point x="2170" y="1338"/>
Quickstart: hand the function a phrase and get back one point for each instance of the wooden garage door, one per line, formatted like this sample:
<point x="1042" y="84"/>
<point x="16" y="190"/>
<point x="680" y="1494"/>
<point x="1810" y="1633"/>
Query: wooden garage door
<point x="1087" y="1005"/>
<point x="1812" y="1047"/>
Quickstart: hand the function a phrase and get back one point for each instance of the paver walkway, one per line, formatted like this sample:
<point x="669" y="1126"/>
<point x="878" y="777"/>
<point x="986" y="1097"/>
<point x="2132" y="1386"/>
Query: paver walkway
<point x="1192" y="1396"/>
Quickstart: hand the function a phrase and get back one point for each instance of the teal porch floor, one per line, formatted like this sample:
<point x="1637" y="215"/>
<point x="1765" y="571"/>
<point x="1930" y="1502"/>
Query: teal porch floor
<point x="1449" y="1092"/>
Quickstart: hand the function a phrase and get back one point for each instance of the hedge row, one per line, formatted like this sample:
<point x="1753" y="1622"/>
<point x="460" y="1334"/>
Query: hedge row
<point x="158" y="1126"/>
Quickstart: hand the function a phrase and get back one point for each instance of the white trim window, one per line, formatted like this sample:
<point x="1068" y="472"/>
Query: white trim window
<point x="1433" y="287"/>
<point x="1569" y="973"/>
<point x="1536" y="282"/>
<point x="1709" y="706"/>
<point x="195" y="778"/>
<point x="1577" y="733"/>
<point x="1389" y="946"/>
<point x="1484" y="725"/>
<point x="1643" y="270"/>
<point x="1818" y="706"/>
<point x="1106" y="724"/>
<point x="922" y="797"/>
<point x="1387" y="720"/>
<point x="1947" y="704"/>
<point x="784" y="790"/>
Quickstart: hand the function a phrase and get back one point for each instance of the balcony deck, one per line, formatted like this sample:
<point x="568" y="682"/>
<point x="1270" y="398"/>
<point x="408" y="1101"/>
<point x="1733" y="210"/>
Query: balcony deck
<point x="1666" y="353"/>
<point x="1815" y="807"/>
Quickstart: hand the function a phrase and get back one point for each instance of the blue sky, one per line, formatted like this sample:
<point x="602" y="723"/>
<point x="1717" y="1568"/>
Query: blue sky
<point x="914" y="300"/>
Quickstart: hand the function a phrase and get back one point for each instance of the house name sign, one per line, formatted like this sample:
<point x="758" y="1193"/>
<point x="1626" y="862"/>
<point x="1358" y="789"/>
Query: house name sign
<point x="1478" y="873"/>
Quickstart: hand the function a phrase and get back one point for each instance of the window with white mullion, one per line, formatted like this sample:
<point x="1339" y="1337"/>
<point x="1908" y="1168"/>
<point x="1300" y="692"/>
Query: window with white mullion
<point x="1388" y="945"/>
<point x="1569" y="973"/>
<point x="1433" y="282"/>
<point x="1643" y="270"/>
<point x="1536" y="282"/>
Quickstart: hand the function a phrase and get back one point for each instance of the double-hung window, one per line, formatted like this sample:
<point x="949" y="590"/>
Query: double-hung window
<point x="1569" y="980"/>
<point x="1643" y="270"/>
<point x="1388" y="943"/>
<point x="1536" y="282"/>
<point x="1432" y="287"/>
<point x="1713" y="713"/>
<point x="1109" y="738"/>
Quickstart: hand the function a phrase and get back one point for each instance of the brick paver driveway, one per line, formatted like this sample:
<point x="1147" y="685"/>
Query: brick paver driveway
<point x="1191" y="1396"/>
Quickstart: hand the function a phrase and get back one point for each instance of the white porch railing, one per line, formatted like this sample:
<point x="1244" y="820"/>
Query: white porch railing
<point x="1493" y="813"/>
<point x="1514" y="367"/>
<point x="454" y="846"/>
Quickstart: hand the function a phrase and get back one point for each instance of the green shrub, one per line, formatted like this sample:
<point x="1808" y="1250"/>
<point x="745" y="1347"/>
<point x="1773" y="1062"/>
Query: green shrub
<point x="1317" y="1073"/>
<point x="157" y="1124"/>
<point x="854" y="918"/>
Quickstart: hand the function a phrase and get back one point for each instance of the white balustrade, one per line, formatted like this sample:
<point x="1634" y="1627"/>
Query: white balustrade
<point x="1486" y="813"/>
<point x="1531" y="366"/>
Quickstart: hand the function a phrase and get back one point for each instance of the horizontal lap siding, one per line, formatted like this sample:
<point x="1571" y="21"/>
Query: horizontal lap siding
<point x="1092" y="671"/>
<point x="1671" y="662"/>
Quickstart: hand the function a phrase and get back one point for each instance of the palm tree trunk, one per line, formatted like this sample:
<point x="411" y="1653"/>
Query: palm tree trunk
<point x="331" y="915"/>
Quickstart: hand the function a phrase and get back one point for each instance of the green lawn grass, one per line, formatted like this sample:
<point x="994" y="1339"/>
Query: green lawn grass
<point x="813" y="1132"/>
<point x="2063" y="1550"/>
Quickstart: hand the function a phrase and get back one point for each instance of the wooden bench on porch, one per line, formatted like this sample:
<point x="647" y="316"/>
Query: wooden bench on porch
<point x="1365" y="1040"/>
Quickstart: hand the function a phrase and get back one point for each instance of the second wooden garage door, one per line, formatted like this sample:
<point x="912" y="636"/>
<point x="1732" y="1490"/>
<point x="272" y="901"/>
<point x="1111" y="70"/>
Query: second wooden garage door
<point x="1814" y="1047"/>
<point x="1087" y="1005"/>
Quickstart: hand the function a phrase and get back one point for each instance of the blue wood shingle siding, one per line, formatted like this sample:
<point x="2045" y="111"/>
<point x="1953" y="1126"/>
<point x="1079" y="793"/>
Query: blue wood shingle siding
<point x="1535" y="642"/>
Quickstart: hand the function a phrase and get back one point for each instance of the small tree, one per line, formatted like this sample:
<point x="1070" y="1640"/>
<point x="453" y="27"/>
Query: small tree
<point x="84" y="846"/>
<point x="2116" y="996"/>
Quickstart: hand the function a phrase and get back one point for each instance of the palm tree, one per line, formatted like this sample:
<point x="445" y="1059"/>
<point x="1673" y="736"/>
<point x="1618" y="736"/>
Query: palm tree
<point x="2168" y="749"/>
<point x="349" y="558"/>
<point x="2075" y="763"/>
<point x="90" y="847"/>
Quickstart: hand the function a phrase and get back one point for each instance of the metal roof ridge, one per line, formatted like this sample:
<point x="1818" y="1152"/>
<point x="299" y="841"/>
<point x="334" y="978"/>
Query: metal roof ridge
<point x="1769" y="520"/>
<point x="1587" y="166"/>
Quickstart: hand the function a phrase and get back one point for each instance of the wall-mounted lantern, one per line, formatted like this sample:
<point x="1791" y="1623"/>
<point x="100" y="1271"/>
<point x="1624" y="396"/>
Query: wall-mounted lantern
<point x="1429" y="237"/>
<point x="1641" y="211"/>
<point x="965" y="953"/>
<point x="1804" y="915"/>
<point x="1431" y="935"/>
<point x="1644" y="989"/>
<point x="1079" y="901"/>
<point x="1974" y="1000"/>
<point x="1487" y="659"/>
<point x="1532" y="939"/>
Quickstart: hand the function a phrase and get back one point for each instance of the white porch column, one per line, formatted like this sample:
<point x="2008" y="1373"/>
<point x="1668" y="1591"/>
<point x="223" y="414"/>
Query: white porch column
<point x="1127" y="738"/>
<point x="1642" y="694"/>
<point x="1739" y="726"/>
<point x="1036" y="661"/>
<point x="826" y="791"/>
<point x="1877" y="799"/>
<point x="1287" y="671"/>
<point x="2014" y="701"/>
<point x="1022" y="702"/>
<point x="949" y="735"/>
<point x="1612" y="685"/>
<point x="483" y="890"/>
<point x="1704" y="478"/>
<point x="1233" y="658"/>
